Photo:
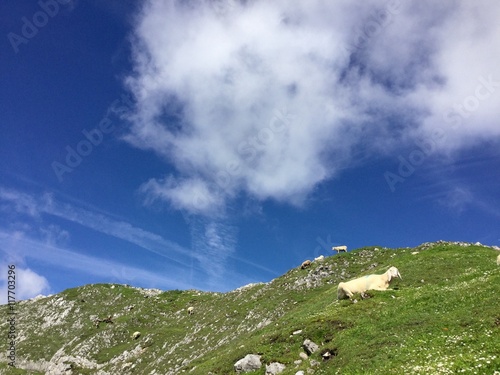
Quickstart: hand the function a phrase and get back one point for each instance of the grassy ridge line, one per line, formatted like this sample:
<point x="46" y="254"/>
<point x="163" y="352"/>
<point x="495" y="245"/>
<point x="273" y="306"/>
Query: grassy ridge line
<point x="443" y="319"/>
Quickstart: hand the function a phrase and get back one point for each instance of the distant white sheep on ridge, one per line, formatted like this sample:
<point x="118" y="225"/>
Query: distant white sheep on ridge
<point x="368" y="282"/>
<point x="320" y="258"/>
<point x="338" y="249"/>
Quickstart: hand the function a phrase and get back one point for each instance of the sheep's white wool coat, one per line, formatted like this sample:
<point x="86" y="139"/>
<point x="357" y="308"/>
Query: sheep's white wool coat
<point x="368" y="282"/>
<point x="340" y="248"/>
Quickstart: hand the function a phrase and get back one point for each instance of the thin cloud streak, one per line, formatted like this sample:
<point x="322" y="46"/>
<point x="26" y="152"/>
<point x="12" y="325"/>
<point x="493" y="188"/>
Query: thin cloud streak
<point x="99" y="267"/>
<point x="213" y="242"/>
<point x="47" y="204"/>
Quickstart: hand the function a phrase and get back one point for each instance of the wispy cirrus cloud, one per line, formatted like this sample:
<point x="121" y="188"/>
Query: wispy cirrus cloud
<point x="29" y="235"/>
<point x="29" y="249"/>
<point x="30" y="226"/>
<point x="33" y="205"/>
<point x="215" y="242"/>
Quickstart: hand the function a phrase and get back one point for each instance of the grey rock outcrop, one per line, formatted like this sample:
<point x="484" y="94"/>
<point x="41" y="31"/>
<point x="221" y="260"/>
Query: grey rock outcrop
<point x="275" y="368"/>
<point x="249" y="363"/>
<point x="310" y="346"/>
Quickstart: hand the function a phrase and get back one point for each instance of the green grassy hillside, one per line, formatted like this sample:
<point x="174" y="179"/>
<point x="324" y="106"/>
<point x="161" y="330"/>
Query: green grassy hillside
<point x="442" y="318"/>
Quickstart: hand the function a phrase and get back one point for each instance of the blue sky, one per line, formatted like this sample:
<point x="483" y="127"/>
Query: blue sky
<point x="209" y="144"/>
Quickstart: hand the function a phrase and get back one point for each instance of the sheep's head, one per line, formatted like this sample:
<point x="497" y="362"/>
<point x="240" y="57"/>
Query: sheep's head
<point x="393" y="272"/>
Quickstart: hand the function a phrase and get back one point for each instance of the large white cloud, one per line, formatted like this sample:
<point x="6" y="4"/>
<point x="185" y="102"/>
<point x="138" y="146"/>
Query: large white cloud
<point x="28" y="284"/>
<point x="270" y="98"/>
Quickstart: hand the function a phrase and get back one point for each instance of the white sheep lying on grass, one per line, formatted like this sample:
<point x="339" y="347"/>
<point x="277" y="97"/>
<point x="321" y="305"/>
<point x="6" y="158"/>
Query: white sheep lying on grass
<point x="368" y="282"/>
<point x="498" y="260"/>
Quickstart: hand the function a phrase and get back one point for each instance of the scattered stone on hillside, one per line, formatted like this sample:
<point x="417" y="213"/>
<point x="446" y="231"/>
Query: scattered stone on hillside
<point x="149" y="292"/>
<point x="314" y="363"/>
<point x="299" y="373"/>
<point x="327" y="354"/>
<point x="298" y="332"/>
<point x="250" y="362"/>
<point x="61" y="363"/>
<point x="127" y="356"/>
<point x="38" y="297"/>
<point x="127" y="365"/>
<point x="297" y="362"/>
<point x="428" y="245"/>
<point x="310" y="346"/>
<point x="248" y="286"/>
<point x="365" y="295"/>
<point x="147" y="343"/>
<point x="315" y="277"/>
<point x="275" y="368"/>
<point x="59" y="368"/>
<point x="108" y="320"/>
<point x="303" y="355"/>
<point x="264" y="323"/>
